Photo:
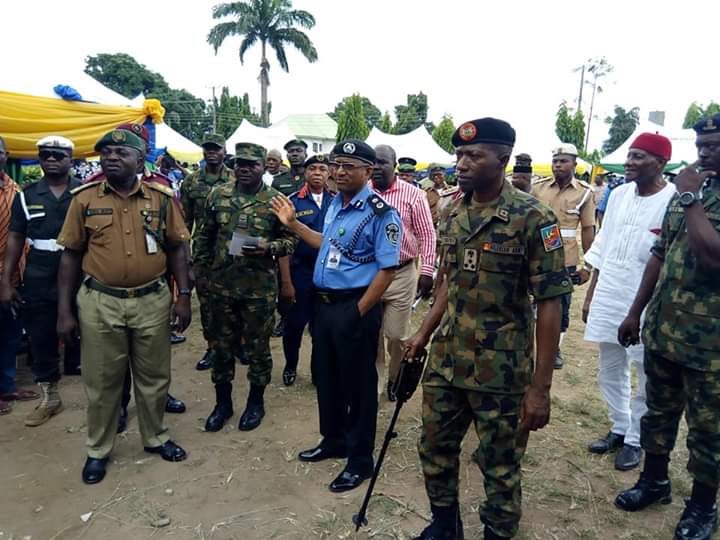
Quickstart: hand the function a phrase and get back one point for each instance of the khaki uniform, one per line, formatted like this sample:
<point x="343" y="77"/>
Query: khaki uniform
<point x="122" y="241"/>
<point x="433" y="197"/>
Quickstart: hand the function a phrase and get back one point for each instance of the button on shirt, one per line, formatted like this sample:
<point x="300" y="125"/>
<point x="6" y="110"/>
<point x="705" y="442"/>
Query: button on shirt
<point x="37" y="214"/>
<point x="368" y="239"/>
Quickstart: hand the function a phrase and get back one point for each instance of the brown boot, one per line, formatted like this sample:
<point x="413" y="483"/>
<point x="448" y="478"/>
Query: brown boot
<point x="50" y="405"/>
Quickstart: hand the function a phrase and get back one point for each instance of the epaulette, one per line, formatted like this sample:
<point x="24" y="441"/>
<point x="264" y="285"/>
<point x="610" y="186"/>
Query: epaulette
<point x="159" y="187"/>
<point x="541" y="180"/>
<point x="85" y="186"/>
<point x="379" y="206"/>
<point x="449" y="191"/>
<point x="585" y="184"/>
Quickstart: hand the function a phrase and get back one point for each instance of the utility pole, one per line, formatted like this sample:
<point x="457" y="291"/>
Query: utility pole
<point x="582" y="84"/>
<point x="214" y="111"/>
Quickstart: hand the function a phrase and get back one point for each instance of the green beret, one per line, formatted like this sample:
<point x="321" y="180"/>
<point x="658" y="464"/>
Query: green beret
<point x="295" y="142"/>
<point x="121" y="137"/>
<point x="246" y="151"/>
<point x="484" y="130"/>
<point x="213" y="138"/>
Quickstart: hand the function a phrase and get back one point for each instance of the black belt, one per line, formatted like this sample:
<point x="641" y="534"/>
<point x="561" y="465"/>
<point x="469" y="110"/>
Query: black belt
<point x="404" y="264"/>
<point x="137" y="292"/>
<point x="332" y="296"/>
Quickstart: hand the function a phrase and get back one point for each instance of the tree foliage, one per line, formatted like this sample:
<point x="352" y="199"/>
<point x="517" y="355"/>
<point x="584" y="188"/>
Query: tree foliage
<point x="570" y="127"/>
<point x="352" y="123"/>
<point x="622" y="125"/>
<point x="386" y="125"/>
<point x="411" y="115"/>
<point x="370" y="111"/>
<point x="696" y="111"/>
<point x="271" y="23"/>
<point x="443" y="132"/>
<point x="231" y="110"/>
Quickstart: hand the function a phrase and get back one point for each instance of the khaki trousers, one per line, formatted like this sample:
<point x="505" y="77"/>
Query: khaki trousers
<point x="115" y="333"/>
<point x="397" y="308"/>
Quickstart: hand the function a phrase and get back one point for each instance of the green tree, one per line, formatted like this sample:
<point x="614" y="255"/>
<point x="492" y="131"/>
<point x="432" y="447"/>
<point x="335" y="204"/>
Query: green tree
<point x="123" y="74"/>
<point x="696" y="111"/>
<point x="386" y="123"/>
<point x="412" y="115"/>
<point x="443" y="132"/>
<point x="570" y="127"/>
<point x="271" y="23"/>
<point x="352" y="123"/>
<point x="622" y="125"/>
<point x="228" y="111"/>
<point x="371" y="112"/>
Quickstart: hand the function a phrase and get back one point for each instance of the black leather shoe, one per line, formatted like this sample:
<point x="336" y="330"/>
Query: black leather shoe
<point x="72" y="371"/>
<point x="348" y="480"/>
<point x="205" y="362"/>
<point x="628" y="457"/>
<point x="696" y="523"/>
<point x="643" y="494"/>
<point x="320" y="453"/>
<point x="219" y="415"/>
<point x="176" y="339"/>
<point x="122" y="420"/>
<point x="390" y="394"/>
<point x="559" y="362"/>
<point x="174" y="405"/>
<point x="251" y="417"/>
<point x="611" y="441"/>
<point x="168" y="451"/>
<point x="94" y="470"/>
<point x="289" y="376"/>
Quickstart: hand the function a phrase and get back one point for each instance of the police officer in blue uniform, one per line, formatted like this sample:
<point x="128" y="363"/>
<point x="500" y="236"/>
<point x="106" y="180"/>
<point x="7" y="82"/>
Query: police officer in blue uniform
<point x="311" y="203"/>
<point x="359" y="251"/>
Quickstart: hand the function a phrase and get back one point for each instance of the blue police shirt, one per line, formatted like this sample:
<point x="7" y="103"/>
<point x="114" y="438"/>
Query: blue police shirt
<point x="602" y="205"/>
<point x="308" y="213"/>
<point x="358" y="241"/>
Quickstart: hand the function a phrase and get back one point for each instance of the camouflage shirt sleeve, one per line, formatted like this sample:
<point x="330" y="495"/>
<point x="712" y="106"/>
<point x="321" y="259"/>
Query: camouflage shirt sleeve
<point x="285" y="242"/>
<point x="660" y="247"/>
<point x="206" y="235"/>
<point x="186" y="202"/>
<point x="546" y="257"/>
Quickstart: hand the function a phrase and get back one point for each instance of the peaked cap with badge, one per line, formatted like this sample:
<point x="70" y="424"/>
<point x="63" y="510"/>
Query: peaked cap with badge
<point x="355" y="148"/>
<point x="56" y="141"/>
<point x="317" y="158"/>
<point x="707" y="125"/>
<point x="406" y="165"/>
<point x="295" y="142"/>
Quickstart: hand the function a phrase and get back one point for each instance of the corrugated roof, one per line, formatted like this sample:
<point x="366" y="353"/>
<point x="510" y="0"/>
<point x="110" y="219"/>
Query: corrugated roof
<point x="319" y="126"/>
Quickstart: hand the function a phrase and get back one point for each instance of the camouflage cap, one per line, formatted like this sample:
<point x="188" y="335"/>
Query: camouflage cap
<point x="246" y="151"/>
<point x="213" y="138"/>
<point x="121" y="137"/>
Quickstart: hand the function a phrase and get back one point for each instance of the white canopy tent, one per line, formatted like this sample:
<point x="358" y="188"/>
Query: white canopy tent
<point x="273" y="137"/>
<point x="540" y="147"/>
<point x="683" y="146"/>
<point x="417" y="144"/>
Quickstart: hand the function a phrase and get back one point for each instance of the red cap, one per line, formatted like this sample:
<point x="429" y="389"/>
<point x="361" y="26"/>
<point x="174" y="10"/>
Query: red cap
<point x="137" y="129"/>
<point x="655" y="144"/>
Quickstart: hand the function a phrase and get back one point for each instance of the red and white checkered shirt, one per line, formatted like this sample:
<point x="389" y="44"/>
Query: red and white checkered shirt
<point x="418" y="236"/>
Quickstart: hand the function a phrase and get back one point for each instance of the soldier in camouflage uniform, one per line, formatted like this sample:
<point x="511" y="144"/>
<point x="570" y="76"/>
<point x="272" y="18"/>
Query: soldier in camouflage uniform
<point x="498" y="245"/>
<point x="234" y="249"/>
<point x="193" y="196"/>
<point x="682" y="343"/>
<point x="289" y="182"/>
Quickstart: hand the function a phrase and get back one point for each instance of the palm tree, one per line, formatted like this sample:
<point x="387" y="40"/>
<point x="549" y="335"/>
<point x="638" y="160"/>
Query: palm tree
<point x="271" y="22"/>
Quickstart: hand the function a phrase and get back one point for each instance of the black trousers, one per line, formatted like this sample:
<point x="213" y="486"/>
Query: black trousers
<point x="40" y="321"/>
<point x="343" y="356"/>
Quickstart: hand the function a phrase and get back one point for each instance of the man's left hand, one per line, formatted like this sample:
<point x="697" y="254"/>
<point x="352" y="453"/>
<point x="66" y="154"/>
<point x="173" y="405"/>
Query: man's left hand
<point x="690" y="179"/>
<point x="425" y="285"/>
<point x="535" y="409"/>
<point x="181" y="313"/>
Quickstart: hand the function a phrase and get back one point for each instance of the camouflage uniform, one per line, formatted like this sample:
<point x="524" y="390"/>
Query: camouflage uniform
<point x="194" y="192"/>
<point x="494" y="255"/>
<point x="288" y="184"/>
<point x="682" y="348"/>
<point x="243" y="288"/>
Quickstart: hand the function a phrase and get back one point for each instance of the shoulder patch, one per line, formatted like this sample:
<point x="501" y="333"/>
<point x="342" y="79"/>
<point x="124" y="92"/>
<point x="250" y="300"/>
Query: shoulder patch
<point x="379" y="206"/>
<point x="551" y="238"/>
<point x="159" y="187"/>
<point x="449" y="191"/>
<point x="85" y="186"/>
<point x="392" y="233"/>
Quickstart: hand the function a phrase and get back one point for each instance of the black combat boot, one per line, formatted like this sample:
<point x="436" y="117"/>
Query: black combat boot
<point x="254" y="410"/>
<point x="223" y="407"/>
<point x="647" y="491"/>
<point x="446" y="524"/>
<point x="699" y="520"/>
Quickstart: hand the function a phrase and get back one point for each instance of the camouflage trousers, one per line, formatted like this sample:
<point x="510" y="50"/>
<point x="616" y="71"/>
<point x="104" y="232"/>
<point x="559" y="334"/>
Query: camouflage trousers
<point x="671" y="390"/>
<point x="232" y="319"/>
<point x="204" y="300"/>
<point x="446" y="414"/>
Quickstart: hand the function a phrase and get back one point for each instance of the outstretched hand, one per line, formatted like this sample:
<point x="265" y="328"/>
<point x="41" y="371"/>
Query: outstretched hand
<point x="283" y="209"/>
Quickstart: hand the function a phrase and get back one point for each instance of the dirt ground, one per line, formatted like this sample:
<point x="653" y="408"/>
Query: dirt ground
<point x="237" y="485"/>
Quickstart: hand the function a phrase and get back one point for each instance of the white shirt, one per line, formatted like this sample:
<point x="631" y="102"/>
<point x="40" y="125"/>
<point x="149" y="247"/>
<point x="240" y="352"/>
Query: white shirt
<point x="620" y="252"/>
<point x="317" y="197"/>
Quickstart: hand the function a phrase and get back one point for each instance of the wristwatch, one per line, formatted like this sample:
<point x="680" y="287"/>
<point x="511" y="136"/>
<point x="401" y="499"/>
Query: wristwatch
<point x="185" y="292"/>
<point x="688" y="198"/>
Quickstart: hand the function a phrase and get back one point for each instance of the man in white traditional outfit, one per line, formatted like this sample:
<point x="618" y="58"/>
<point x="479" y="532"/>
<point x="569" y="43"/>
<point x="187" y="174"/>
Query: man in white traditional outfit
<point x="618" y="255"/>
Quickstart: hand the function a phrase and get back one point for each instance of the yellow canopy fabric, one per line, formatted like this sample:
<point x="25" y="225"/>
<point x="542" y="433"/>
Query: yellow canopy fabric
<point x="24" y="119"/>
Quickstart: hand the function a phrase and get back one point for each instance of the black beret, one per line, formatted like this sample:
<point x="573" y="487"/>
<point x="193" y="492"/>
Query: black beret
<point x="354" y="148"/>
<point x="317" y="158"/>
<point x="710" y="124"/>
<point x="522" y="169"/>
<point x="295" y="142"/>
<point x="484" y="130"/>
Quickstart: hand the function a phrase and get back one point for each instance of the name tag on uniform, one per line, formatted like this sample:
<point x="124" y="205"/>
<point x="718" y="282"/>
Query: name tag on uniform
<point x="333" y="261"/>
<point x="151" y="244"/>
<point x="470" y="259"/>
<point x="304" y="213"/>
<point x="243" y="221"/>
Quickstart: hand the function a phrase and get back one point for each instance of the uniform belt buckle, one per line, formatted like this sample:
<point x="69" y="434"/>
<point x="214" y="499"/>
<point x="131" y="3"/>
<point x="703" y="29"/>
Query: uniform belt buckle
<point x="131" y="293"/>
<point x="324" y="297"/>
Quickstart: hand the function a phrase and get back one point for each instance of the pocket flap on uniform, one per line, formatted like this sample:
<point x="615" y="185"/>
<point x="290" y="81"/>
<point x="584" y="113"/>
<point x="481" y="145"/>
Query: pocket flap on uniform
<point x="504" y="340"/>
<point x="495" y="261"/>
<point x="98" y="222"/>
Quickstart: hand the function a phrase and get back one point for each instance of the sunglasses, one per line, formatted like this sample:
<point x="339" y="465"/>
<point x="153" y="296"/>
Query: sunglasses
<point x="349" y="166"/>
<point x="47" y="154"/>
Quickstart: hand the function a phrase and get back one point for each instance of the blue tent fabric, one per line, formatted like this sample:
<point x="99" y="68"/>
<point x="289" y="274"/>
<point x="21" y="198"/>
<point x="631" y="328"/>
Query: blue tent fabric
<point x="67" y="92"/>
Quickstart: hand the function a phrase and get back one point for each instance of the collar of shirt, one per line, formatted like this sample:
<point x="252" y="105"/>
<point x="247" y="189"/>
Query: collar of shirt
<point x="499" y="208"/>
<point x="105" y="188"/>
<point x="358" y="201"/>
<point x="574" y="182"/>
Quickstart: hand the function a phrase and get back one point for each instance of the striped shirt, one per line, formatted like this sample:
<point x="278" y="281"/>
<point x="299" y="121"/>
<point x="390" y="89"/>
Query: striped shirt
<point x="418" y="237"/>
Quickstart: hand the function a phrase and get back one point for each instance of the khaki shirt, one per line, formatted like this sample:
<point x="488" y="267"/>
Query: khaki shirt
<point x="573" y="206"/>
<point x="111" y="230"/>
<point x="433" y="197"/>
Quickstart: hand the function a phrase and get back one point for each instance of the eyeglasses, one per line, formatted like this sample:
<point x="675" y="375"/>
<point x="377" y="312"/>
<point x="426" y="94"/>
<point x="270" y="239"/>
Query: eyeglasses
<point x="348" y="166"/>
<point x="47" y="154"/>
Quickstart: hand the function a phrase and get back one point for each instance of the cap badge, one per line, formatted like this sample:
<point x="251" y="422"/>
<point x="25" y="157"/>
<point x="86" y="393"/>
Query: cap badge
<point x="467" y="131"/>
<point x="118" y="136"/>
<point x="349" y="148"/>
<point x="709" y="125"/>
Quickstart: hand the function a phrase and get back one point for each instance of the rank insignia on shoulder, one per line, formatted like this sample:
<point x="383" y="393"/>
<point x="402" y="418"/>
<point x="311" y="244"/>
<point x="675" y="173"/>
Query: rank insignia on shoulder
<point x="470" y="259"/>
<point x="551" y="237"/>
<point x="378" y="205"/>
